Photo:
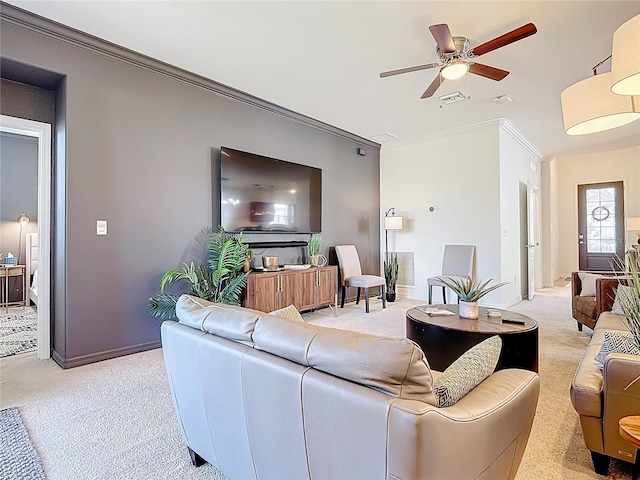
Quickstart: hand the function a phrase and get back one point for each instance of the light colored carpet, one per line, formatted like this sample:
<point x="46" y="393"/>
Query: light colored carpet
<point x="115" y="419"/>
<point x="18" y="332"/>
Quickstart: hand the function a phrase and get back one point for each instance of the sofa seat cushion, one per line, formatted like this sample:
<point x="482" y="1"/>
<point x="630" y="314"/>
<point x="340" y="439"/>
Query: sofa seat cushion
<point x="395" y="366"/>
<point x="227" y="321"/>
<point x="586" y="305"/>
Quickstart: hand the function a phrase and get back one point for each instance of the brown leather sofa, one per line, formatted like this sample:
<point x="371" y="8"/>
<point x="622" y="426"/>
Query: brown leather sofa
<point x="262" y="397"/>
<point x="602" y="397"/>
<point x="587" y="310"/>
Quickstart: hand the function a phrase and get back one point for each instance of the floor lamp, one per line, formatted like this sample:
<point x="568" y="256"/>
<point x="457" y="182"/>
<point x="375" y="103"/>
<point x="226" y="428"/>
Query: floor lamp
<point x="391" y="222"/>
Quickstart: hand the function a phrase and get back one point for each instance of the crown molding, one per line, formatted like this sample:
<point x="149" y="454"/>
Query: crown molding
<point x="517" y="135"/>
<point x="58" y="31"/>
<point x="499" y="123"/>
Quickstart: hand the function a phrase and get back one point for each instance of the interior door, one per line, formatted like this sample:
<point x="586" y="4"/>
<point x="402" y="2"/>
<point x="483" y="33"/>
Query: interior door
<point x="532" y="198"/>
<point x="600" y="225"/>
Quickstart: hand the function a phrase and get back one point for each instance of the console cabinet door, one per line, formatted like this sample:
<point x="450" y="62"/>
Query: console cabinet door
<point x="288" y="287"/>
<point x="262" y="291"/>
<point x="307" y="289"/>
<point x="327" y="285"/>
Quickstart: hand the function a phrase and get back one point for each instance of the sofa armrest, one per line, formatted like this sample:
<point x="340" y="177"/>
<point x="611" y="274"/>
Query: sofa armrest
<point x="576" y="284"/>
<point x="620" y="370"/>
<point x="493" y="421"/>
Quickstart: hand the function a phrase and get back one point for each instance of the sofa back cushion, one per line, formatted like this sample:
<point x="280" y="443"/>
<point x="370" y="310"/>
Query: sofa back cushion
<point x="228" y="321"/>
<point x="395" y="366"/>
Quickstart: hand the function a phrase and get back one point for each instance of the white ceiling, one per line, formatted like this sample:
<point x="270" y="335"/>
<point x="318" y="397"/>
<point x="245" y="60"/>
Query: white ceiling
<point x="323" y="58"/>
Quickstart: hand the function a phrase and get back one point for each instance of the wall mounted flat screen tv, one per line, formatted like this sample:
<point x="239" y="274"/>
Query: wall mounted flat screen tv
<point x="265" y="194"/>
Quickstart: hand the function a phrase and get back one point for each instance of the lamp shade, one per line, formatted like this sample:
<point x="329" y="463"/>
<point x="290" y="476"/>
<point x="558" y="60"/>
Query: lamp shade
<point x="633" y="223"/>
<point x="393" y="223"/>
<point x="589" y="106"/>
<point x="625" y="59"/>
<point x="23" y="219"/>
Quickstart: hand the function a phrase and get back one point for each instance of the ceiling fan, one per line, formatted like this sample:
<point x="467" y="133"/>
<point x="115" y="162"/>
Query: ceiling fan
<point x="456" y="58"/>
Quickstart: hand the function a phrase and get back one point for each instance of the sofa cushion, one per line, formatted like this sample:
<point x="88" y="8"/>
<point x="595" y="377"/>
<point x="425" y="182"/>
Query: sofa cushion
<point x="623" y="293"/>
<point x="586" y="305"/>
<point x="588" y="284"/>
<point x="468" y="371"/>
<point x="289" y="313"/>
<point x="395" y="366"/>
<point x="228" y="321"/>
<point x="616" y="341"/>
<point x="611" y="321"/>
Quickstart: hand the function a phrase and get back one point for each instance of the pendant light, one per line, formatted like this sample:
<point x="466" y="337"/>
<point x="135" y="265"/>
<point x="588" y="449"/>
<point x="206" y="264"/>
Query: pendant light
<point x="589" y="106"/>
<point x="625" y="64"/>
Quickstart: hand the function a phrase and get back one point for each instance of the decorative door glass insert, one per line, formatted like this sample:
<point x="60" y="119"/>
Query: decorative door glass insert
<point x="601" y="220"/>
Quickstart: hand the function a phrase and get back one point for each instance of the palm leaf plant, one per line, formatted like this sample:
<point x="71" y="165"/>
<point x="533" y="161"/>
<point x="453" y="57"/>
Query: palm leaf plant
<point x="630" y="302"/>
<point x="221" y="281"/>
<point x="469" y="289"/>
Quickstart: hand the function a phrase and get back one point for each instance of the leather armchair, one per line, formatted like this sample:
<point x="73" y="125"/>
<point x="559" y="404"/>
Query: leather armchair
<point x="587" y="310"/>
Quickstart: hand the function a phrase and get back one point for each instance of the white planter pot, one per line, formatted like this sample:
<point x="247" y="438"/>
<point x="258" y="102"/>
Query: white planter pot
<point x="468" y="309"/>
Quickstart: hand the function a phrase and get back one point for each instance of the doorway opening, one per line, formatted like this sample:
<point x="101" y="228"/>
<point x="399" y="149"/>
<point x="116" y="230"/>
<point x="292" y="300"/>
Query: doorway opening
<point x="42" y="133"/>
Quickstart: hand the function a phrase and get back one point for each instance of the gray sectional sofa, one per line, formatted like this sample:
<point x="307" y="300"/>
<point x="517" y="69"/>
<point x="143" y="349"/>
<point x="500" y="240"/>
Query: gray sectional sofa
<point x="259" y="396"/>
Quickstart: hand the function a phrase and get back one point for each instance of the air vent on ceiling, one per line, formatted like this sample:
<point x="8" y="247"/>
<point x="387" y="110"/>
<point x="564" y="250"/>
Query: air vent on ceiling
<point x="453" y="97"/>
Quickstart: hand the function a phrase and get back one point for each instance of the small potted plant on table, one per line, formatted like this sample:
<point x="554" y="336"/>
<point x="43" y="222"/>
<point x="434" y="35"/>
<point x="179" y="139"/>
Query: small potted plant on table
<point x="469" y="291"/>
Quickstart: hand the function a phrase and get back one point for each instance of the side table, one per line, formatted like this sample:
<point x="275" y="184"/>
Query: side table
<point x="629" y="428"/>
<point x="6" y="272"/>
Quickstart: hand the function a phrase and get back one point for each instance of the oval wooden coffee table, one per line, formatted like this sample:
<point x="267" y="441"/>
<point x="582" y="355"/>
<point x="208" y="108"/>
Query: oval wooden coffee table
<point x="444" y="338"/>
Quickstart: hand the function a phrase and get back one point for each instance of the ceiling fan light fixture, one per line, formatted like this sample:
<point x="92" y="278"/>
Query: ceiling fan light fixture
<point x="589" y="106"/>
<point x="455" y="70"/>
<point x="625" y="60"/>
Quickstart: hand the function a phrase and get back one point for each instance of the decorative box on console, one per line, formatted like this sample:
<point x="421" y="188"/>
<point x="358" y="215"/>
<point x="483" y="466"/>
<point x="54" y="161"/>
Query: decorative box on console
<point x="10" y="260"/>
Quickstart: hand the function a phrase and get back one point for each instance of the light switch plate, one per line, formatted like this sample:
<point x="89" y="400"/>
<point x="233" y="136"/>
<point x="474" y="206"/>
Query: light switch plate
<point x="101" y="227"/>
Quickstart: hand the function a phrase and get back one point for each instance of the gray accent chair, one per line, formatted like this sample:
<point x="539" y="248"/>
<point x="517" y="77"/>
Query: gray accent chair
<point x="351" y="275"/>
<point x="458" y="261"/>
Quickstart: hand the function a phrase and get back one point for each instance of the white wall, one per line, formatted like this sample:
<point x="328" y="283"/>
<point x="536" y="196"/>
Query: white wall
<point x="458" y="173"/>
<point x="592" y="168"/>
<point x="515" y="174"/>
<point x="550" y="222"/>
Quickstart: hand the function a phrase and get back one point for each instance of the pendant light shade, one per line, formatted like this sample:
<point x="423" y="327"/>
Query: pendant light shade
<point x="589" y="106"/>
<point x="625" y="60"/>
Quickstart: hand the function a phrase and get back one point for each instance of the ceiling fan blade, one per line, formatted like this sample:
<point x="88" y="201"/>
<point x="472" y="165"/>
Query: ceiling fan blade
<point x="433" y="87"/>
<point x="443" y="37"/>
<point x="506" y="39"/>
<point x="409" y="69"/>
<point x="486" y="71"/>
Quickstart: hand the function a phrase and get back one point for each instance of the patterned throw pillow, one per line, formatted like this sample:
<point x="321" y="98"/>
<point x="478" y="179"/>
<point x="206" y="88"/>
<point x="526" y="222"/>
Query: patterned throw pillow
<point x="616" y="341"/>
<point x="288" y="313"/>
<point x="622" y="292"/>
<point x="468" y="371"/>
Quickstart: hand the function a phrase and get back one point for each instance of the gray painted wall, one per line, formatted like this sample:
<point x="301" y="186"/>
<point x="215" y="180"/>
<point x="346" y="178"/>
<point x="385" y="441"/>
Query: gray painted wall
<point x="18" y="194"/>
<point x="138" y="149"/>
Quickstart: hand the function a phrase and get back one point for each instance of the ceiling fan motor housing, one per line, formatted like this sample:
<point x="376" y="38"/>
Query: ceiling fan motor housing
<point x="461" y="52"/>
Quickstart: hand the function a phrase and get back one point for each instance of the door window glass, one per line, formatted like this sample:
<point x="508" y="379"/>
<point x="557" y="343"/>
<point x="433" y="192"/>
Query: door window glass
<point x="601" y="220"/>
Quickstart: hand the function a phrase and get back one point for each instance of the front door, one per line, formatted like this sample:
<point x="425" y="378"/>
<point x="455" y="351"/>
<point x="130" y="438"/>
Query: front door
<point x="600" y="225"/>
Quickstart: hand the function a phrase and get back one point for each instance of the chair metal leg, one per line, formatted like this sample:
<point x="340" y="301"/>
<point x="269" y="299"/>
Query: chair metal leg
<point x="430" y="293"/>
<point x="344" y="294"/>
<point x="444" y="295"/>
<point x="358" y="296"/>
<point x="366" y="299"/>
<point x="384" y="297"/>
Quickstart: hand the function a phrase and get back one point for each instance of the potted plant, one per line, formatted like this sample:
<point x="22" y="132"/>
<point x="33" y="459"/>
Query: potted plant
<point x="221" y="281"/>
<point x="391" y="276"/>
<point x="315" y="257"/>
<point x="469" y="291"/>
<point x="248" y="260"/>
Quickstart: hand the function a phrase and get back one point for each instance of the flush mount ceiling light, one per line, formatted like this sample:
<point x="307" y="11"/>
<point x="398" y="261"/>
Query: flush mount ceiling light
<point x="455" y="70"/>
<point x="625" y="64"/>
<point x="589" y="106"/>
